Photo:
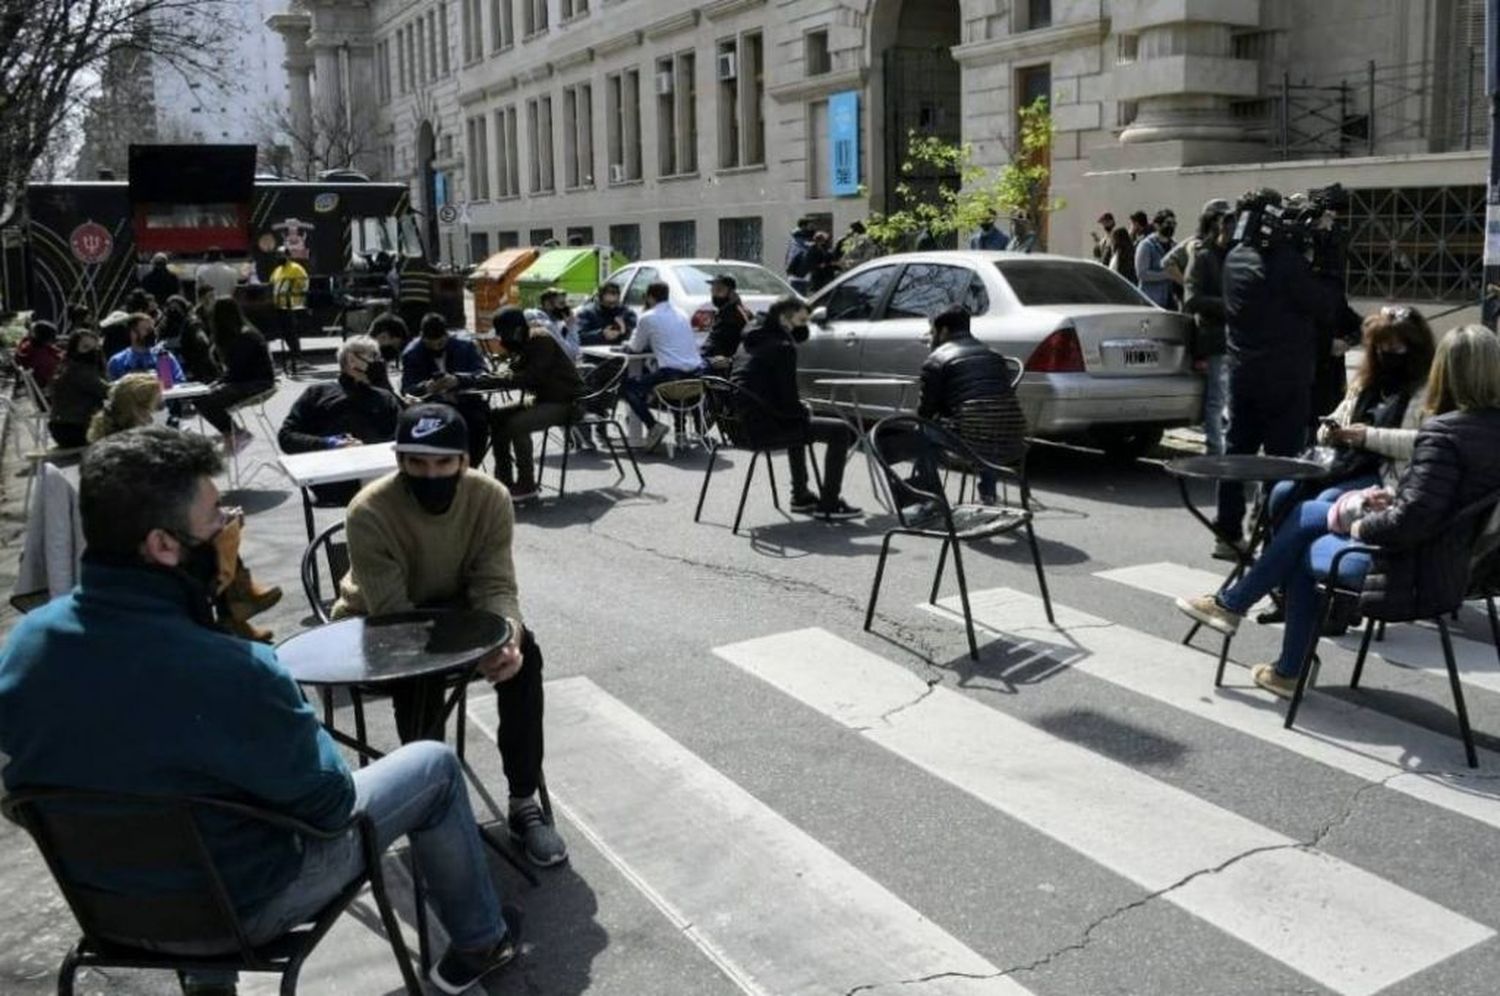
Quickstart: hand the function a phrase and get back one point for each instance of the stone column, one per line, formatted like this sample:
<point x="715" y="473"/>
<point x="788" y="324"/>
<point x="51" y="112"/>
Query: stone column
<point x="294" y="30"/>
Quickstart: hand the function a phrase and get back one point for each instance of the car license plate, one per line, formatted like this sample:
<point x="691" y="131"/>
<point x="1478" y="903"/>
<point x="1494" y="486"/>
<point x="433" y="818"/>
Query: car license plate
<point x="1142" y="356"/>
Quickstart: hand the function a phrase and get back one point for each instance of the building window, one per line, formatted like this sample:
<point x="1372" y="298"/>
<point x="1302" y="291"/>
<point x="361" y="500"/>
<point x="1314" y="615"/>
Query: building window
<point x="421" y="46"/>
<point x="740" y="70"/>
<point x="507" y="156"/>
<point x="679" y="239"/>
<point x="478" y="158"/>
<point x="1127" y="49"/>
<point x="1417" y="243"/>
<point x="473" y="29"/>
<point x="816" y="58"/>
<point x="502" y="24"/>
<point x="1038" y="14"/>
<point x="677" y="114"/>
<point x="819" y="152"/>
<point x="622" y="98"/>
<point x="580" y="235"/>
<point x="400" y="62"/>
<point x="411" y="55"/>
<point x="540" y="236"/>
<point x="574" y="8"/>
<point x="578" y="135"/>
<point x="432" y="45"/>
<point x="626" y="240"/>
<point x="383" y="70"/>
<point x="479" y="247"/>
<point x="536" y="16"/>
<point x="740" y="238"/>
<point x="539" y="137"/>
<point x="507" y="240"/>
<point x="443" y="37"/>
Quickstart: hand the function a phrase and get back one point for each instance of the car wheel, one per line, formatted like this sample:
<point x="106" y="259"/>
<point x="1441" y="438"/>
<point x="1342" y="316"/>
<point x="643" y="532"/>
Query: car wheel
<point x="1126" y="443"/>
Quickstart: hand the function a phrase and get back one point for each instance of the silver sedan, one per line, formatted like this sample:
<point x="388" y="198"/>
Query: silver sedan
<point x="688" y="280"/>
<point x="1099" y="357"/>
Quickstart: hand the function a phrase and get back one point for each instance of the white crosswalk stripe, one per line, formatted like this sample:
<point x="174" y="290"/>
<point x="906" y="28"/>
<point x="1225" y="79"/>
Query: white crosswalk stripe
<point x="777" y="911"/>
<point x="1253" y="883"/>
<point x="1406" y="645"/>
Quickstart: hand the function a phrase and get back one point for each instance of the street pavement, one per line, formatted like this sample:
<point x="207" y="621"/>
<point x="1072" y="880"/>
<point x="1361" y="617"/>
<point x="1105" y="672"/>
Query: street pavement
<point x="761" y="797"/>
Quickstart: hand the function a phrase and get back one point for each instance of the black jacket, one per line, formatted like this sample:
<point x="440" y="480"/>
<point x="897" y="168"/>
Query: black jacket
<point x="1203" y="298"/>
<point x="161" y="284"/>
<point x="543" y="369"/>
<point x="767" y="367"/>
<point x="594" y="318"/>
<point x="247" y="359"/>
<point x="339" y="408"/>
<point x="730" y="320"/>
<point x="78" y="390"/>
<point x="961" y="369"/>
<point x="1423" y="567"/>
<point x="1273" y="308"/>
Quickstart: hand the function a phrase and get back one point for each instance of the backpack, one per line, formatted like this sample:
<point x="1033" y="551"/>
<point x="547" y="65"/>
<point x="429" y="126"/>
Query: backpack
<point x="796" y="260"/>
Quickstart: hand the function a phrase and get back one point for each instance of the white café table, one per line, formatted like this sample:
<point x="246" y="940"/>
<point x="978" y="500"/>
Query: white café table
<point x="347" y="463"/>
<point x="187" y="391"/>
<point x="635" y="366"/>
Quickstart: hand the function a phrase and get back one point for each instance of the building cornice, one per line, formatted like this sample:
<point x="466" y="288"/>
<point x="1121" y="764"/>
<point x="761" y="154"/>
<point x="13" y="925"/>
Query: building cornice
<point x="619" y="43"/>
<point x="578" y="58"/>
<point x="1032" y="44"/>
<point x="818" y="86"/>
<point x="720" y="9"/>
<point x="676" y="24"/>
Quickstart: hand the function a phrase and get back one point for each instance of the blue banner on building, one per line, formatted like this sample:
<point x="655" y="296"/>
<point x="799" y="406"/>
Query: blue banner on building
<point x="843" y="139"/>
<point x="440" y="187"/>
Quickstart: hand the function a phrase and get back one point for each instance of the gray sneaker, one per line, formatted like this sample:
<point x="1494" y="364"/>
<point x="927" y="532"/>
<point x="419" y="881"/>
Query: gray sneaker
<point x="531" y="831"/>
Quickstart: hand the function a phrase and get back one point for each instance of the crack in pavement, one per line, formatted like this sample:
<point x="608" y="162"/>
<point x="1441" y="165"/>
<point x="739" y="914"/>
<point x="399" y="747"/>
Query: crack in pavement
<point x="872" y="986"/>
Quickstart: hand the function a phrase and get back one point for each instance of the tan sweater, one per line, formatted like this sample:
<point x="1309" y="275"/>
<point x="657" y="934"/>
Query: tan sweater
<point x="401" y="557"/>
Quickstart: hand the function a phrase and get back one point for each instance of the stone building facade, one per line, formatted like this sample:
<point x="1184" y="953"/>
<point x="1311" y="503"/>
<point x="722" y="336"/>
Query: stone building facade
<point x="671" y="127"/>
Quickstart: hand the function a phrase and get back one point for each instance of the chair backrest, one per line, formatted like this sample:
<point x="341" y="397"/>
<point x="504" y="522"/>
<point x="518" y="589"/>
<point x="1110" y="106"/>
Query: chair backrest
<point x="930" y="446"/>
<point x="684" y="394"/>
<point x="995" y="428"/>
<point x="335" y="556"/>
<point x="156" y="841"/>
<point x="34" y="391"/>
<point x="601" y="384"/>
<point x="724" y="410"/>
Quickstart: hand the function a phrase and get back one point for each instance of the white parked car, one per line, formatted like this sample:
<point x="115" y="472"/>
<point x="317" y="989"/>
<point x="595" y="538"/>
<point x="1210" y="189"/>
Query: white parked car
<point x="1099" y="357"/>
<point x="689" y="280"/>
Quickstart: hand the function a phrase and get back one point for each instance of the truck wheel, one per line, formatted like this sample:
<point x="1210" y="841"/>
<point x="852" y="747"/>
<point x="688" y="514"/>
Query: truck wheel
<point x="1127" y="443"/>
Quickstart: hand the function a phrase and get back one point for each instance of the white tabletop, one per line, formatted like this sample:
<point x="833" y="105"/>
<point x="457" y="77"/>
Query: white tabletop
<point x="348" y="463"/>
<point x="610" y="352"/>
<point x="865" y="381"/>
<point x="186" y="392"/>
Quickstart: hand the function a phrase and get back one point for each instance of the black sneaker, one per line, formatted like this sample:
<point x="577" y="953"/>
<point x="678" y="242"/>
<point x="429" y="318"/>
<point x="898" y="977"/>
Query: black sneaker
<point x="804" y="502"/>
<point x="458" y="970"/>
<point x="529" y="828"/>
<point x="839" y="511"/>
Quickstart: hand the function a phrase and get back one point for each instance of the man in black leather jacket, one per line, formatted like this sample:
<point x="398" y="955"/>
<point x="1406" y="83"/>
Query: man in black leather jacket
<point x="730" y="318"/>
<point x="1273" y="308"/>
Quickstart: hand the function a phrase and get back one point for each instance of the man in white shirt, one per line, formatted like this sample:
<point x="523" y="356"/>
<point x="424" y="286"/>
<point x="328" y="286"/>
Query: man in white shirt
<point x="665" y="333"/>
<point x="217" y="276"/>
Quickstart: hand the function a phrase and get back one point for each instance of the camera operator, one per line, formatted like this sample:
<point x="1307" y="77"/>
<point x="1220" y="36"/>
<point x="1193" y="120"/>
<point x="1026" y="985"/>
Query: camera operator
<point x="1325" y="239"/>
<point x="1274" y="307"/>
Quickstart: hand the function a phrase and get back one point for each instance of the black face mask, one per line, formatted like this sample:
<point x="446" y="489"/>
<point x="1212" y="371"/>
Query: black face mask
<point x="377" y="375"/>
<point x="988" y="226"/>
<point x="148" y="340"/>
<point x="434" y="494"/>
<point x="390" y="353"/>
<point x="199" y="563"/>
<point x="1167" y="231"/>
<point x="1393" y="371"/>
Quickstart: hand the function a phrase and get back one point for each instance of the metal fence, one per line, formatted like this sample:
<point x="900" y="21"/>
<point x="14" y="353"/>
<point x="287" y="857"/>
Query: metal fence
<point x="740" y="238"/>
<point x="1417" y="243"/>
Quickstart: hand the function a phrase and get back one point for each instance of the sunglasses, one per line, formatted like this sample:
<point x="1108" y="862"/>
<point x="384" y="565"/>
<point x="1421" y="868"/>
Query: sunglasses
<point x="1397" y="314"/>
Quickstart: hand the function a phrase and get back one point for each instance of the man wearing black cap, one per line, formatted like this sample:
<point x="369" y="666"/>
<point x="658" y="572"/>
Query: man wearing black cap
<point x="539" y="367"/>
<point x="730" y="318"/>
<point x="604" y="321"/>
<point x="438" y="534"/>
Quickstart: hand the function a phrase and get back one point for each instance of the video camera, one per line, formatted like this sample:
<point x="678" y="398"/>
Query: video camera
<point x="1309" y="223"/>
<point x="1321" y="225"/>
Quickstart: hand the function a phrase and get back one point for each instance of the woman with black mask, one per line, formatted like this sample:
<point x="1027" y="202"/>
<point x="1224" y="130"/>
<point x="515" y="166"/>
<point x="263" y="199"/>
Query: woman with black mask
<point x="181" y="333"/>
<point x="79" y="389"/>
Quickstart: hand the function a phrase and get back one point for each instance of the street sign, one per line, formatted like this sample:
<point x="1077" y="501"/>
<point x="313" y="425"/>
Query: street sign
<point x="447" y="214"/>
<point x="91" y="243"/>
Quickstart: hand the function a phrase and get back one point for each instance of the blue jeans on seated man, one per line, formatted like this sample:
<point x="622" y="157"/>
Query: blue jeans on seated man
<point x="1295" y="561"/>
<point x="637" y="390"/>
<point x="418" y="791"/>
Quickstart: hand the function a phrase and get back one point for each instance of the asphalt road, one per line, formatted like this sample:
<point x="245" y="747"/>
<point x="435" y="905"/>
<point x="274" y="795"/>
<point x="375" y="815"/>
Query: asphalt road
<point x="761" y="797"/>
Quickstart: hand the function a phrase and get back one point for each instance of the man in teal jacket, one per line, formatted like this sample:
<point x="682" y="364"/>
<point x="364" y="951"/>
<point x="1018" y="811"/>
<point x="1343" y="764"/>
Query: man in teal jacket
<point x="125" y="686"/>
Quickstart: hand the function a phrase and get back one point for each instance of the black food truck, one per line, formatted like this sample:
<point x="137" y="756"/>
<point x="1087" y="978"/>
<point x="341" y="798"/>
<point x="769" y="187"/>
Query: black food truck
<point x="90" y="242"/>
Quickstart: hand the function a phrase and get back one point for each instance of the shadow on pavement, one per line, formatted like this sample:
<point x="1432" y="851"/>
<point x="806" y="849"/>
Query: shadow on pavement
<point x="1081" y="473"/>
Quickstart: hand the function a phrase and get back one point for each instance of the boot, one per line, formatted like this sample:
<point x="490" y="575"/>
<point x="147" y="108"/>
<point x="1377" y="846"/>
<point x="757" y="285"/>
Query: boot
<point x="244" y="589"/>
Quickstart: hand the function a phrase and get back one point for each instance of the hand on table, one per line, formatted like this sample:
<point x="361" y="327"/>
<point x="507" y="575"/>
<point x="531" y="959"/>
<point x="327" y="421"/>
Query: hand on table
<point x="504" y="664"/>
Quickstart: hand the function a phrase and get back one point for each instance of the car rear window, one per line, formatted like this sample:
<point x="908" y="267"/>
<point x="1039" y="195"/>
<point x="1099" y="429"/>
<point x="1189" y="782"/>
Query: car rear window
<point x="1056" y="281"/>
<point x="748" y="279"/>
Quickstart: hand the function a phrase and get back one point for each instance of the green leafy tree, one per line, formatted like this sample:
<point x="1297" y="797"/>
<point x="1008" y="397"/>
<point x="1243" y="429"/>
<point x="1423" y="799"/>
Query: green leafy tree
<point x="1018" y="189"/>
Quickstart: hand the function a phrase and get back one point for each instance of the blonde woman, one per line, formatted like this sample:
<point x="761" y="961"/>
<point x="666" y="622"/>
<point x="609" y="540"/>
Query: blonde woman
<point x="1421" y="568"/>
<point x="132" y="402"/>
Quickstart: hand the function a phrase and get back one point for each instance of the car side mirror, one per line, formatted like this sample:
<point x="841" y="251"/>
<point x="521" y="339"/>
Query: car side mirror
<point x="819" y="316"/>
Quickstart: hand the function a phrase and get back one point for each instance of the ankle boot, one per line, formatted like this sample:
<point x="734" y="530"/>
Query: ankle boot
<point x="245" y="598"/>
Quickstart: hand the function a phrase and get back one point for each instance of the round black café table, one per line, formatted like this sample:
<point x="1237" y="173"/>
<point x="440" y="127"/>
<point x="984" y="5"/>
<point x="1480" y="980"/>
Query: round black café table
<point x="1242" y="468"/>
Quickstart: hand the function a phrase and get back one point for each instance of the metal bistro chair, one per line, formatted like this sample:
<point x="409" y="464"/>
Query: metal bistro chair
<point x="726" y="406"/>
<point x="595" y="411"/>
<point x="1481" y="585"/>
<point x="256" y="406"/>
<point x="685" y="401"/>
<point x="934" y="446"/>
<point x="159" y="837"/>
<point x="41" y="412"/>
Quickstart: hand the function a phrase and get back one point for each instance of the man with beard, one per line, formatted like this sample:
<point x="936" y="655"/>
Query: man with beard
<point x="357" y="409"/>
<point x="441" y="367"/>
<point x="437" y="534"/>
<point x="730" y="318"/>
<point x="169" y="705"/>
<point x="604" y="321"/>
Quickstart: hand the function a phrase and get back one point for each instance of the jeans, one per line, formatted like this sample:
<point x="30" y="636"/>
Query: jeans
<point x="511" y="427"/>
<point x="215" y="407"/>
<point x="637" y="391"/>
<point x="1299" y="555"/>
<point x="416" y="791"/>
<point x="419" y="705"/>
<point x="1215" y="402"/>
<point x="1285" y="492"/>
<point x="837" y="438"/>
<point x="1265" y="412"/>
<point x="289" y="322"/>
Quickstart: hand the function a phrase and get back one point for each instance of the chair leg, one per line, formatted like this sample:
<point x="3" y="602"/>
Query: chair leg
<point x="66" y="971"/>
<point x="393" y="931"/>
<point x="1380" y="632"/>
<point x="419" y="903"/>
<point x="885" y="550"/>
<point x="1489" y="603"/>
<point x="937" y="578"/>
<point x="461" y="721"/>
<point x="289" y="977"/>
<point x="562" y="481"/>
<point x="1223" y="660"/>
<point x="1041" y="575"/>
<point x="629" y="451"/>
<point x="1458" y="695"/>
<point x="1364" y="651"/>
<point x="771" y="475"/>
<point x="359" y="720"/>
<point x="963" y="595"/>
<point x="614" y="454"/>
<point x="708" y="473"/>
<point x="541" y="459"/>
<point x="745" y="491"/>
<point x="1325" y="612"/>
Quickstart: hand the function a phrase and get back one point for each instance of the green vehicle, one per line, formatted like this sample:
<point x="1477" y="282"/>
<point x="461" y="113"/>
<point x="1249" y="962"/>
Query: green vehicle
<point x="578" y="270"/>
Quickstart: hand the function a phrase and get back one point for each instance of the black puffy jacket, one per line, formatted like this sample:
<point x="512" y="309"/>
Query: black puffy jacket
<point x="961" y="369"/>
<point x="1273" y="308"/>
<point x="1423" y="567"/>
<point x="767" y="367"/>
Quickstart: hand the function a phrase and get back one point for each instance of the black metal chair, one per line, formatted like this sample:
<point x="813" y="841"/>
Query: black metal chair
<point x="595" y="411"/>
<point x="685" y="401"/>
<point x="933" y="446"/>
<point x="737" y="413"/>
<point x="1481" y="586"/>
<point x="158" y="837"/>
